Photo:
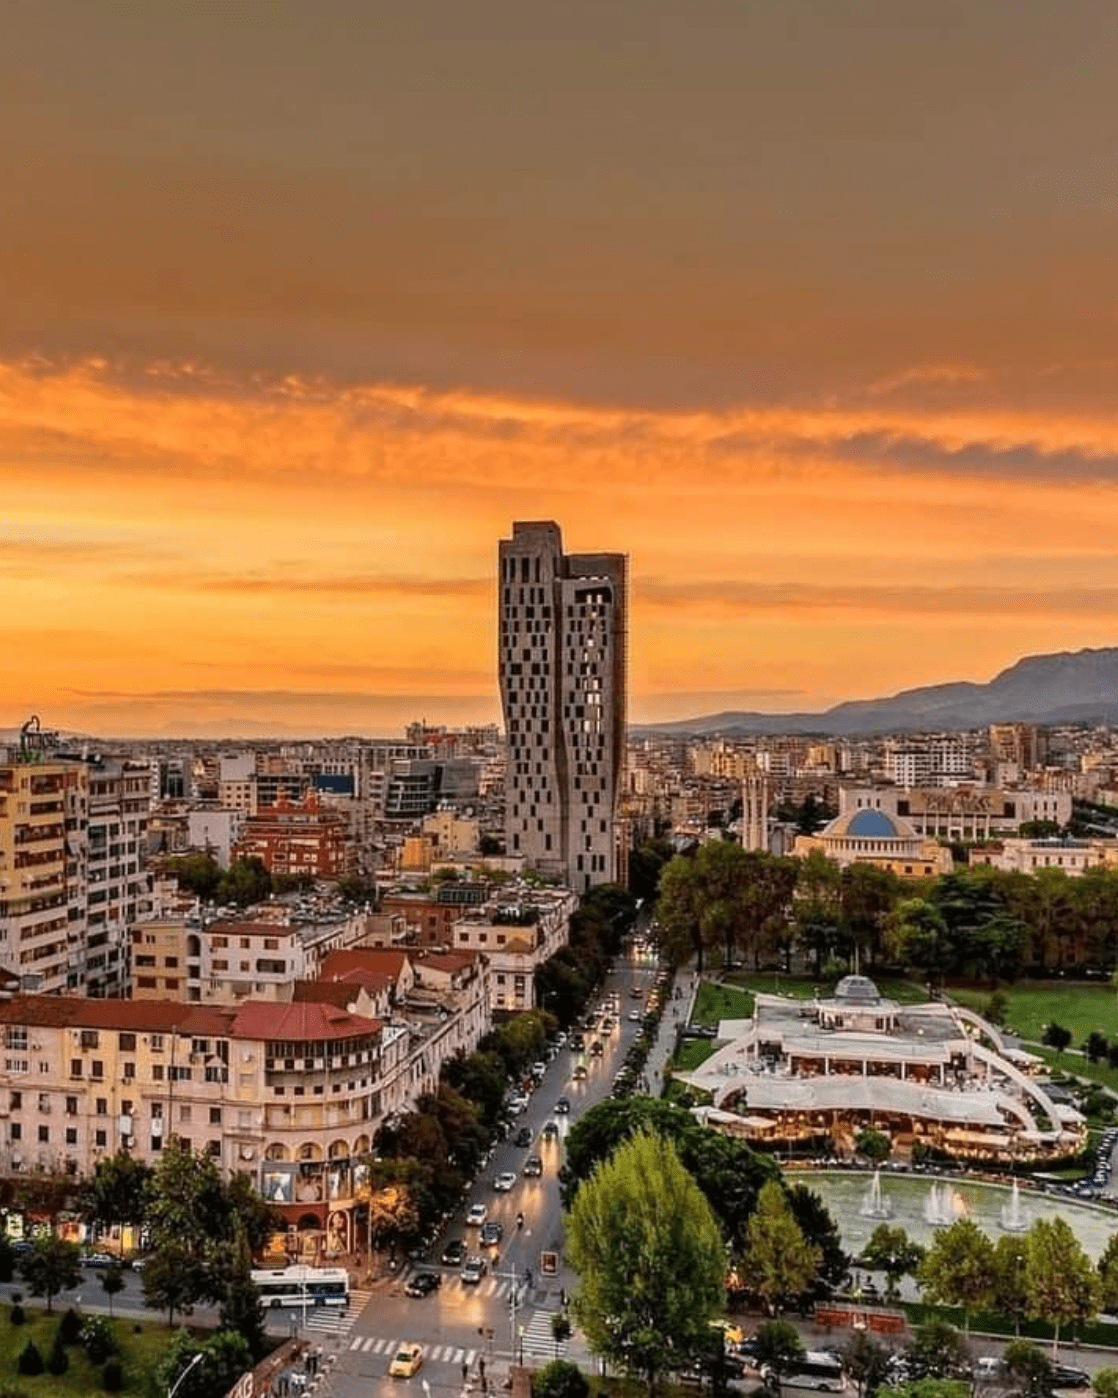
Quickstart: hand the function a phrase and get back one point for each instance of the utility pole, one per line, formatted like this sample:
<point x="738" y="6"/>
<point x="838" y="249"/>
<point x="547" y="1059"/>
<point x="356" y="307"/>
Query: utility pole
<point x="513" y="1277"/>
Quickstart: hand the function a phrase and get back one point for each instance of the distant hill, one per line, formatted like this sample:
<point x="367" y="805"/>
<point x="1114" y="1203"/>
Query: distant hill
<point x="1065" y="687"/>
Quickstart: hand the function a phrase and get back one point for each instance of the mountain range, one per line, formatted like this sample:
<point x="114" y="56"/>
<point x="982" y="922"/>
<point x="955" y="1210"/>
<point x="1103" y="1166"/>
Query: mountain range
<point x="1064" y="687"/>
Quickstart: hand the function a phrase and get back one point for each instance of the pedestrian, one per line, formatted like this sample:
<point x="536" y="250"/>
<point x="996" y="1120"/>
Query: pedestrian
<point x="465" y="1373"/>
<point x="481" y="1365"/>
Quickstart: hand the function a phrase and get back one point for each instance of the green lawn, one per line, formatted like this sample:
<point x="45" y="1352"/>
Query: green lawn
<point x="1033" y="1004"/>
<point x="139" y="1353"/>
<point x="691" y="1053"/>
<point x="715" y="1002"/>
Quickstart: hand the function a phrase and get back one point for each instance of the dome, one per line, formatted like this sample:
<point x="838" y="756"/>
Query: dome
<point x="857" y="990"/>
<point x="871" y="824"/>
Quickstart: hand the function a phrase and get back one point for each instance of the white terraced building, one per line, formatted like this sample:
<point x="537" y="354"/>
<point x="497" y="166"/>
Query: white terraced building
<point x="932" y="1074"/>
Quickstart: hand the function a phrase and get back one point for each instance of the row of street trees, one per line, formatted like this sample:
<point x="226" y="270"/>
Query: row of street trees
<point x="978" y="921"/>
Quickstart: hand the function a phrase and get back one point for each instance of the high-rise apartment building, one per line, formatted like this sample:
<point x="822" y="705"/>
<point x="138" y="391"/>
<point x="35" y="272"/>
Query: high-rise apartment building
<point x="562" y="661"/>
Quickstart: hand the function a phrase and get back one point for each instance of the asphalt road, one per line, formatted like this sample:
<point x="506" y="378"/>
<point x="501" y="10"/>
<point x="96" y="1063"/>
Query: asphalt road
<point x="460" y="1324"/>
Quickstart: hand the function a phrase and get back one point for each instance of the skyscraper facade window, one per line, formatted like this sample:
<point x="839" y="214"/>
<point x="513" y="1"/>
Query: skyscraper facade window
<point x="562" y="661"/>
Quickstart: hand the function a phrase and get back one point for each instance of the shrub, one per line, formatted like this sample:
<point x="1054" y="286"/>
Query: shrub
<point x="58" y="1361"/>
<point x="16" y="1314"/>
<point x="560" y="1379"/>
<point x="30" y="1360"/>
<point x="112" y="1376"/>
<point x="70" y="1327"/>
<point x="97" y="1338"/>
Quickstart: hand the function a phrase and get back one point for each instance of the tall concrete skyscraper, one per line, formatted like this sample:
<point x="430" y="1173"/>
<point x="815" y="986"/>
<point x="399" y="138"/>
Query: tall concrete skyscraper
<point x="562" y="660"/>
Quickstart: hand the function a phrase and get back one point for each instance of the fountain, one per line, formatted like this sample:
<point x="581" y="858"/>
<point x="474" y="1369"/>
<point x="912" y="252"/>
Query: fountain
<point x="943" y="1206"/>
<point x="875" y="1204"/>
<point x="1015" y="1217"/>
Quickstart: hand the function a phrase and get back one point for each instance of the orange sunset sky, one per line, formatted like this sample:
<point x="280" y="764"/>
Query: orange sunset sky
<point x="810" y="308"/>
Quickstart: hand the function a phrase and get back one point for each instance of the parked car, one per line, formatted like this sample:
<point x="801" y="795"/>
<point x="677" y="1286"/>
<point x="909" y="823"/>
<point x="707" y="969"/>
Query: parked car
<point x="423" y="1283"/>
<point x="523" y="1137"/>
<point x="100" y="1259"/>
<point x="1067" y="1376"/>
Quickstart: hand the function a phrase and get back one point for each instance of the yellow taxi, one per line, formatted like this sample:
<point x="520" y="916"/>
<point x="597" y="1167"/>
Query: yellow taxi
<point x="405" y="1362"/>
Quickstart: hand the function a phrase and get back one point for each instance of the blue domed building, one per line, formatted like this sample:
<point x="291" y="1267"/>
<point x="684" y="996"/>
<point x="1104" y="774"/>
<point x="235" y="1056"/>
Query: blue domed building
<point x="872" y="836"/>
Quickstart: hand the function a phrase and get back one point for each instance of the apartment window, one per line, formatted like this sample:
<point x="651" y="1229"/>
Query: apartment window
<point x="100" y="1138"/>
<point x="44" y="1135"/>
<point x="97" y="1068"/>
<point x="15" y="1101"/>
<point x="90" y="1039"/>
<point x="75" y="1067"/>
<point x="129" y="1072"/>
<point x="71" y="1106"/>
<point x="17" y="1131"/>
<point x="44" y="1101"/>
<point x="215" y="1116"/>
<point x="213" y="1148"/>
<point x="157" y="1043"/>
<point x="184" y="1114"/>
<point x="157" y="1072"/>
<point x="127" y="1043"/>
<point x="71" y="1135"/>
<point x="101" y="1106"/>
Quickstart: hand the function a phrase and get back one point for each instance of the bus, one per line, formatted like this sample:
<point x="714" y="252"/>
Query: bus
<point x="814" y="1369"/>
<point x="303" y="1286"/>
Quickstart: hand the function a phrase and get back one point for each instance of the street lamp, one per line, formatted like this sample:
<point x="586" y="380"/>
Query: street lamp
<point x="178" y="1382"/>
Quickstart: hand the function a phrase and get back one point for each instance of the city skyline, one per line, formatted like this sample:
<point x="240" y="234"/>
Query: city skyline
<point x="808" y="310"/>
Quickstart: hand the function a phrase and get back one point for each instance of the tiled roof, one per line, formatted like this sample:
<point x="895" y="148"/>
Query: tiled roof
<point x="260" y="1020"/>
<point x="386" y="960"/>
<point x="80" y="1012"/>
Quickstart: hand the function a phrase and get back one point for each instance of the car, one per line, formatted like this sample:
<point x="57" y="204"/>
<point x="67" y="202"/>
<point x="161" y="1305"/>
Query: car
<point x="533" y="1166"/>
<point x="523" y="1137"/>
<point x="578" y="1043"/>
<point x="987" y="1368"/>
<point x="473" y="1270"/>
<point x="137" y="1263"/>
<point x="517" y="1103"/>
<point x="405" y="1362"/>
<point x="1066" y="1376"/>
<point x="634" y="1016"/>
<point x="504" y="1182"/>
<point x="596" y="1048"/>
<point x="491" y="1233"/>
<point x="454" y="1254"/>
<point x="563" y="1106"/>
<point x="99" y="1259"/>
<point x="635" y="992"/>
<point x="477" y="1215"/>
<point x="550" y="1130"/>
<point x="539" y="1068"/>
<point x="423" y="1283"/>
<point x="579" y="1074"/>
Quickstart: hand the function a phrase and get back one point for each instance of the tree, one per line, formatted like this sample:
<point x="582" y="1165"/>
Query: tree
<point x="187" y="1217"/>
<point x="866" y="1360"/>
<point x="821" y="1230"/>
<point x="915" y="934"/>
<point x="650" y="1258"/>
<point x="728" y="1171"/>
<point x="1096" y="1046"/>
<point x="892" y="1251"/>
<point x="699" y="902"/>
<point x="1056" y="1036"/>
<point x="1010" y="1292"/>
<point x="241" y="1308"/>
<point x="560" y="1379"/>
<point x="248" y="1210"/>
<point x="245" y="882"/>
<point x="938" y="1351"/>
<point x="225" y="1357"/>
<point x="958" y="1268"/>
<point x="560" y="1329"/>
<point x="779" y="1347"/>
<point x="1104" y="1383"/>
<point x="1108" y="1276"/>
<point x="931" y="1388"/>
<point x="1062" y="1285"/>
<point x="116" y="1193"/>
<point x="1028" y="1369"/>
<point x="873" y="1145"/>
<point x="782" y="1263"/>
<point x="112" y="1282"/>
<point x="646" y="863"/>
<point x="51" y="1266"/>
<point x="199" y="874"/>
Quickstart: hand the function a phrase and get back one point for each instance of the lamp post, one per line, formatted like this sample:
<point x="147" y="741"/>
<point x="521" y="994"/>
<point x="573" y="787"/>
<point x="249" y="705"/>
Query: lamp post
<point x="178" y="1382"/>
